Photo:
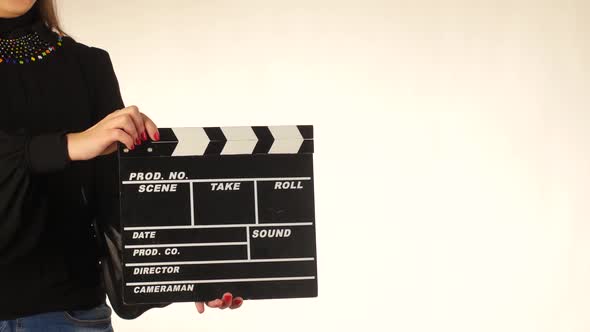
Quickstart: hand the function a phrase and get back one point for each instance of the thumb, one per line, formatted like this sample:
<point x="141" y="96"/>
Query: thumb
<point x="200" y="307"/>
<point x="112" y="148"/>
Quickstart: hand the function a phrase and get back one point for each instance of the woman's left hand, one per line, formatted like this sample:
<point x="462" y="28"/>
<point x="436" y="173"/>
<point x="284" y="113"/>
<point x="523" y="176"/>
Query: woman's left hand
<point x="228" y="301"/>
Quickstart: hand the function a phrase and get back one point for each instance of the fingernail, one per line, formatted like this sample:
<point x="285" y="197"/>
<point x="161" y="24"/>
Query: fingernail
<point x="238" y="302"/>
<point x="157" y="136"/>
<point x="144" y="136"/>
<point x="137" y="141"/>
<point x="132" y="147"/>
<point x="227" y="298"/>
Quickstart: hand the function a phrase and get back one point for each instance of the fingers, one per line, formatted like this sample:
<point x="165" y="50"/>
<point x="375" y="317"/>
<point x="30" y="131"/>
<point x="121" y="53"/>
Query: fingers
<point x="112" y="148"/>
<point x="123" y="137"/>
<point x="145" y="127"/>
<point x="211" y="304"/>
<point x="151" y="128"/>
<point x="238" y="301"/>
<point x="200" y="307"/>
<point x="137" y="118"/>
<point x="215" y="303"/>
<point x="142" y="126"/>
<point x="126" y="123"/>
<point x="227" y="300"/>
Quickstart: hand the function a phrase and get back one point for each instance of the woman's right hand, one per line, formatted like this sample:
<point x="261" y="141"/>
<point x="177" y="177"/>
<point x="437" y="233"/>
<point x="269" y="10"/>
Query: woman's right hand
<point x="128" y="126"/>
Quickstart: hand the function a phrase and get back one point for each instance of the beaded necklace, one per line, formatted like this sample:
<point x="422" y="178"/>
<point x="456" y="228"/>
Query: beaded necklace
<point x="25" y="49"/>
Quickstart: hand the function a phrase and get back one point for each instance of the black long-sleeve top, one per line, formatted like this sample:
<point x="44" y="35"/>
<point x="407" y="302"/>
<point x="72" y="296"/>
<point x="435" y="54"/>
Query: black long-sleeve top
<point x="49" y="253"/>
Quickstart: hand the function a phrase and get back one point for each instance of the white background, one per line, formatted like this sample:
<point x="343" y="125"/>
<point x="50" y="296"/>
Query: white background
<point x="452" y="164"/>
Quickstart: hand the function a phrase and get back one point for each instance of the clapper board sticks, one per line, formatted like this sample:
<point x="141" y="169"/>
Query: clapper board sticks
<point x="210" y="210"/>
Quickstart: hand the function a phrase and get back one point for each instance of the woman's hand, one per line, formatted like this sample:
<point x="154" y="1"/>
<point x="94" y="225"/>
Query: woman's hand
<point x="228" y="301"/>
<point x="127" y="125"/>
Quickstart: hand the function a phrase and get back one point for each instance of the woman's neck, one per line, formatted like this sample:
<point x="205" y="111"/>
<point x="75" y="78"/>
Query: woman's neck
<point x="19" y="23"/>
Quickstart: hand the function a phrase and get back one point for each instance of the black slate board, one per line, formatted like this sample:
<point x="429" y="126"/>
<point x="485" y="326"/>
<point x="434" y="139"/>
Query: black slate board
<point x="210" y="210"/>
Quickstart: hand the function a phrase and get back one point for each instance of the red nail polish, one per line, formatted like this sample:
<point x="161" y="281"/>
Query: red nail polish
<point x="238" y="302"/>
<point x="137" y="141"/>
<point x="144" y="136"/>
<point x="157" y="136"/>
<point x="227" y="298"/>
<point x="132" y="147"/>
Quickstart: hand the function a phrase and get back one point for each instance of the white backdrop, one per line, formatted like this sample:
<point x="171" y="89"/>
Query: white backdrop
<point x="452" y="164"/>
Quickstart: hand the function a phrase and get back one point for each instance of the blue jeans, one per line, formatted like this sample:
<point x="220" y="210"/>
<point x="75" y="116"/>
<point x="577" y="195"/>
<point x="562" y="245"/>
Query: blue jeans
<point x="93" y="320"/>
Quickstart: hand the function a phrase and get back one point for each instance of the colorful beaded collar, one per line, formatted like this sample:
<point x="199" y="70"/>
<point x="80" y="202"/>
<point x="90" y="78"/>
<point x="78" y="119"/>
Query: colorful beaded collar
<point x="25" y="49"/>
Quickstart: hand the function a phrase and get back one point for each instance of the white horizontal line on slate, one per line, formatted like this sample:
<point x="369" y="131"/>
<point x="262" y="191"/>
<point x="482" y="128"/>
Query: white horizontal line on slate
<point x="214" y="281"/>
<point x="202" y="244"/>
<point x="238" y="261"/>
<point x="217" y="226"/>
<point x="218" y="180"/>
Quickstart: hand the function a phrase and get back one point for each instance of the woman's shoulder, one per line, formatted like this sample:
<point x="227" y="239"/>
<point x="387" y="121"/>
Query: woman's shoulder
<point x="86" y="52"/>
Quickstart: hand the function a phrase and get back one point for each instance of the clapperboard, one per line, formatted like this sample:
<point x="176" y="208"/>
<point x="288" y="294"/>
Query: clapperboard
<point x="210" y="210"/>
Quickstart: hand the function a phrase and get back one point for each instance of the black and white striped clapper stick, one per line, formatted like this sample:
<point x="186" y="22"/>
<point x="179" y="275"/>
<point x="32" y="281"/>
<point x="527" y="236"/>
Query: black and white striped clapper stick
<point x="210" y="210"/>
<point x="191" y="141"/>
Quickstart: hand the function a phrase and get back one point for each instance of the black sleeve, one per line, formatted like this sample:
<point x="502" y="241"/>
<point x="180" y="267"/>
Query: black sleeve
<point x="21" y="157"/>
<point x="106" y="98"/>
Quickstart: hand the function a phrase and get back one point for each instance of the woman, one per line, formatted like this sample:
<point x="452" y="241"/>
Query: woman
<point x="61" y="118"/>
